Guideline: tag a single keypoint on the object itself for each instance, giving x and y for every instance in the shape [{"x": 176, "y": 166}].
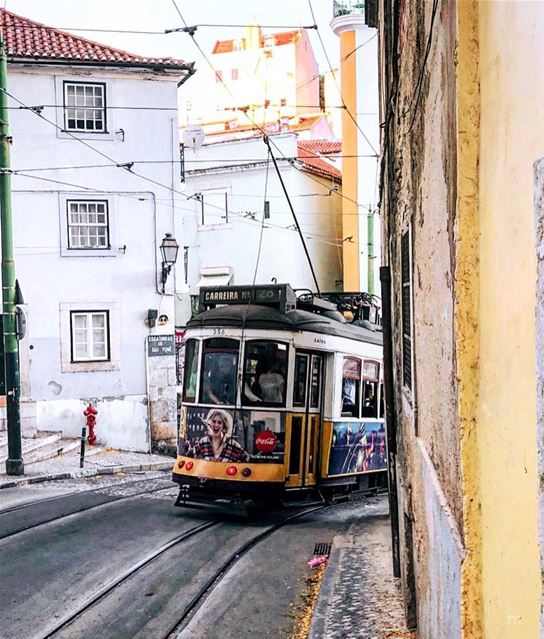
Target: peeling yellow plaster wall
[
  {"x": 467, "y": 306},
  {"x": 511, "y": 61}
]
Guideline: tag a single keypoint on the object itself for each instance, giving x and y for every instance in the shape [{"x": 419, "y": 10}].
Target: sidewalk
[
  {"x": 359, "y": 597},
  {"x": 105, "y": 462}
]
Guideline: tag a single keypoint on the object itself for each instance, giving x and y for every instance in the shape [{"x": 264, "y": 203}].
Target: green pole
[
  {"x": 370, "y": 233},
  {"x": 14, "y": 462}
]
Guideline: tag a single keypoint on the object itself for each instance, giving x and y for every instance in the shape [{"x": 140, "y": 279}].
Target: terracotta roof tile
[
  {"x": 309, "y": 156},
  {"x": 28, "y": 39}
]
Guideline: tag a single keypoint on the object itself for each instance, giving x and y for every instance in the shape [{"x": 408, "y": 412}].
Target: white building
[
  {"x": 238, "y": 225},
  {"x": 86, "y": 240}
]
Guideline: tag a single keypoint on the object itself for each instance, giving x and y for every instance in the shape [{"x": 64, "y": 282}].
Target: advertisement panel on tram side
[
  {"x": 221, "y": 434},
  {"x": 357, "y": 447}
]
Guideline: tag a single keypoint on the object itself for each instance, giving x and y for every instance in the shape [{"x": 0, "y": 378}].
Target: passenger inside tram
[
  {"x": 220, "y": 382},
  {"x": 272, "y": 384}
]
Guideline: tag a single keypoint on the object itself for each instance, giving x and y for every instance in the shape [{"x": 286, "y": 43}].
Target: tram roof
[{"x": 263, "y": 317}]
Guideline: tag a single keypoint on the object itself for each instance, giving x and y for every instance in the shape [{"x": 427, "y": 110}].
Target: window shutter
[{"x": 406, "y": 309}]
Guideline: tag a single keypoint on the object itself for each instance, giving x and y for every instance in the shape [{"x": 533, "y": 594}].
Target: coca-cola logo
[{"x": 265, "y": 441}]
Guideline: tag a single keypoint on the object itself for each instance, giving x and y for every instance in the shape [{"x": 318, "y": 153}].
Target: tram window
[
  {"x": 370, "y": 389},
  {"x": 190, "y": 369},
  {"x": 299, "y": 385},
  {"x": 265, "y": 372},
  {"x": 315, "y": 382},
  {"x": 369, "y": 408},
  {"x": 351, "y": 387},
  {"x": 219, "y": 370}
]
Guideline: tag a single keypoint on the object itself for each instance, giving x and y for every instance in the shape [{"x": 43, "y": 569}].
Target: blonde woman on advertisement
[{"x": 218, "y": 443}]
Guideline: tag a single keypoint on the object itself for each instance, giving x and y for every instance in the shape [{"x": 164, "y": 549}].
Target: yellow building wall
[
  {"x": 350, "y": 211},
  {"x": 511, "y": 61}
]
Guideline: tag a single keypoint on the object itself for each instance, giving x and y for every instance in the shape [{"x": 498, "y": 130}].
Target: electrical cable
[
  {"x": 263, "y": 218},
  {"x": 350, "y": 114},
  {"x": 416, "y": 95},
  {"x": 255, "y": 125},
  {"x": 267, "y": 142},
  {"x": 242, "y": 217}
]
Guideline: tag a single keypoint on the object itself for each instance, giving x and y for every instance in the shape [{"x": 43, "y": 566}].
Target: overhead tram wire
[
  {"x": 263, "y": 218},
  {"x": 350, "y": 114},
  {"x": 114, "y": 164},
  {"x": 127, "y": 166},
  {"x": 348, "y": 55},
  {"x": 38, "y": 27},
  {"x": 267, "y": 142},
  {"x": 252, "y": 121},
  {"x": 242, "y": 219}
]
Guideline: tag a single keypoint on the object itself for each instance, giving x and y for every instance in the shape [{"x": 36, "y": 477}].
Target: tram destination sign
[
  {"x": 160, "y": 345},
  {"x": 280, "y": 296}
]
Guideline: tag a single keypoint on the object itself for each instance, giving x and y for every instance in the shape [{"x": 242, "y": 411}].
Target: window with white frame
[
  {"x": 85, "y": 107},
  {"x": 88, "y": 224},
  {"x": 90, "y": 336}
]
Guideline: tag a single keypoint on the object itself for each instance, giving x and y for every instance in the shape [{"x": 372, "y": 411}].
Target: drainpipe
[{"x": 390, "y": 417}]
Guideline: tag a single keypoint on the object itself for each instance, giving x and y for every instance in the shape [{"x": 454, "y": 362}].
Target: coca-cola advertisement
[
  {"x": 357, "y": 447},
  {"x": 221, "y": 434}
]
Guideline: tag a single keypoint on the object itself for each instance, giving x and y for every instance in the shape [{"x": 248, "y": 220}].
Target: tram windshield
[
  {"x": 219, "y": 370},
  {"x": 265, "y": 372}
]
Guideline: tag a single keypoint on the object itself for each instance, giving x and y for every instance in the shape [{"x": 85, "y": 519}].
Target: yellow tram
[{"x": 282, "y": 396}]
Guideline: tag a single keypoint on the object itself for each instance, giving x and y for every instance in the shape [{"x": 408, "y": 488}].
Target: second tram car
[{"x": 281, "y": 396}]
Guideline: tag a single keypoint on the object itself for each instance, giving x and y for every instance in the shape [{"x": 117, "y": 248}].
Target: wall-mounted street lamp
[{"x": 169, "y": 252}]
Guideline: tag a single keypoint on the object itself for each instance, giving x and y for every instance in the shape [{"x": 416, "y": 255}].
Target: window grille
[
  {"x": 90, "y": 336},
  {"x": 88, "y": 224},
  {"x": 85, "y": 107},
  {"x": 406, "y": 268}
]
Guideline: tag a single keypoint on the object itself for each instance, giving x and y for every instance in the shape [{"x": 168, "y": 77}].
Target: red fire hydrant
[{"x": 90, "y": 416}]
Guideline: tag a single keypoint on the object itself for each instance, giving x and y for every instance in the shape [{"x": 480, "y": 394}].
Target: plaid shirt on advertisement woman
[{"x": 232, "y": 451}]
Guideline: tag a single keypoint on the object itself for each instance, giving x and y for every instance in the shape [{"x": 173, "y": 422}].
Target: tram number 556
[{"x": 219, "y": 331}]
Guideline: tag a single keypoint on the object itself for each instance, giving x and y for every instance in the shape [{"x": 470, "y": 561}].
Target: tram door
[{"x": 303, "y": 426}]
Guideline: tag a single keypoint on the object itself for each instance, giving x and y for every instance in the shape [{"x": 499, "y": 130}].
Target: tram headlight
[
  {"x": 246, "y": 472},
  {"x": 189, "y": 465},
  {"x": 232, "y": 470},
  {"x": 181, "y": 463}
]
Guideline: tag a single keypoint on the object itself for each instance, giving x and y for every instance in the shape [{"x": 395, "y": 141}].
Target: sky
[{"x": 159, "y": 15}]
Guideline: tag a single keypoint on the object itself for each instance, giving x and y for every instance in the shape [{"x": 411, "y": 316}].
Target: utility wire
[
  {"x": 262, "y": 220},
  {"x": 242, "y": 217},
  {"x": 267, "y": 142},
  {"x": 416, "y": 95},
  {"x": 350, "y": 114},
  {"x": 257, "y": 126},
  {"x": 192, "y": 28}
]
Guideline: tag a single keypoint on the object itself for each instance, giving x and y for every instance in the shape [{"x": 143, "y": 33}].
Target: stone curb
[
  {"x": 86, "y": 472},
  {"x": 319, "y": 617}
]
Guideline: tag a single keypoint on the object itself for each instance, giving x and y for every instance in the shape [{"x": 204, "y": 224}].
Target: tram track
[
  {"x": 171, "y": 630},
  {"x": 201, "y": 596},
  {"x": 37, "y": 502},
  {"x": 88, "y": 507},
  {"x": 108, "y": 588}
]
